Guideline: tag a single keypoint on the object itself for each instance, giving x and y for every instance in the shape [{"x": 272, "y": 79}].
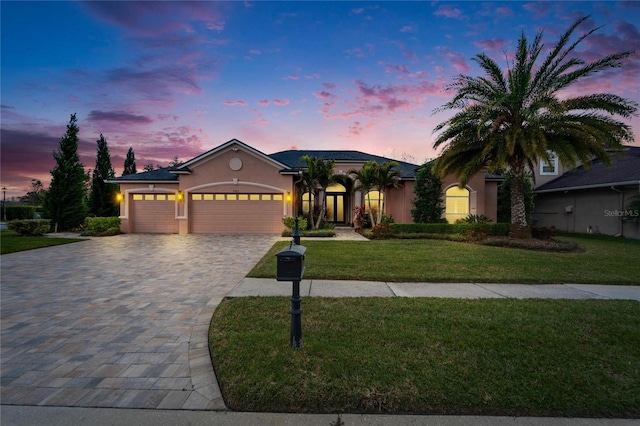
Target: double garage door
[
  {"x": 236, "y": 213},
  {"x": 210, "y": 213}
]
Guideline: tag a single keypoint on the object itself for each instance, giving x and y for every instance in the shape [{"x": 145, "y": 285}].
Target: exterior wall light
[
  {"x": 288, "y": 197},
  {"x": 119, "y": 197},
  {"x": 180, "y": 196}
]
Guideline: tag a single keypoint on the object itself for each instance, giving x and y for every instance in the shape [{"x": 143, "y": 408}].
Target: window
[
  {"x": 373, "y": 199},
  {"x": 305, "y": 202},
  {"x": 137, "y": 197},
  {"x": 456, "y": 204},
  {"x": 161, "y": 197},
  {"x": 196, "y": 197},
  {"x": 550, "y": 169},
  {"x": 243, "y": 197},
  {"x": 277, "y": 197}
]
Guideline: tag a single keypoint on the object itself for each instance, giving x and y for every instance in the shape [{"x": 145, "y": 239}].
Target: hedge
[
  {"x": 20, "y": 212},
  {"x": 30, "y": 227},
  {"x": 101, "y": 226},
  {"x": 497, "y": 229}
]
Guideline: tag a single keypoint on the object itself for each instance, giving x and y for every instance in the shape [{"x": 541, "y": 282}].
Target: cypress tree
[
  {"x": 130, "y": 163},
  {"x": 65, "y": 201},
  {"x": 102, "y": 200},
  {"x": 428, "y": 202}
]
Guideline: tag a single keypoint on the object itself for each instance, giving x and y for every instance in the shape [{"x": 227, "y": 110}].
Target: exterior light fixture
[
  {"x": 119, "y": 197},
  {"x": 180, "y": 196},
  {"x": 288, "y": 197}
]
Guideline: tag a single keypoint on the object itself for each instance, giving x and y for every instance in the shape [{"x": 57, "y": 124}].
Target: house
[
  {"x": 234, "y": 188},
  {"x": 593, "y": 199}
]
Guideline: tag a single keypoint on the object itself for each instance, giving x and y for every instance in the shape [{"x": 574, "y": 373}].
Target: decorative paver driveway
[{"x": 119, "y": 321}]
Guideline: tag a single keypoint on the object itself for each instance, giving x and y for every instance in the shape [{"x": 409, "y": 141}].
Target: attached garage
[
  {"x": 233, "y": 213},
  {"x": 153, "y": 213}
]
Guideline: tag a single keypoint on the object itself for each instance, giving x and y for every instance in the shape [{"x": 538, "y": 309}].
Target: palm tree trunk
[{"x": 519, "y": 227}]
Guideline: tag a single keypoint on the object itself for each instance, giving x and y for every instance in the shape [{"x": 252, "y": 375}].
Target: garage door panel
[
  {"x": 153, "y": 215},
  {"x": 260, "y": 214}
]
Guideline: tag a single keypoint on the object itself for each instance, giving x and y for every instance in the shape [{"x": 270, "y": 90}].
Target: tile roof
[
  {"x": 625, "y": 169},
  {"x": 293, "y": 159}
]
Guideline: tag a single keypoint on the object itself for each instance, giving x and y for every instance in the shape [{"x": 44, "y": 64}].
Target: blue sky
[{"x": 179, "y": 78}]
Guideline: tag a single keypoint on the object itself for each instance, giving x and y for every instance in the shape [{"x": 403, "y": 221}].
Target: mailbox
[{"x": 291, "y": 263}]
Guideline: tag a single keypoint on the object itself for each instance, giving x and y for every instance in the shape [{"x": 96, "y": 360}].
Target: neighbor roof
[
  {"x": 293, "y": 158},
  {"x": 156, "y": 176},
  {"x": 625, "y": 170}
]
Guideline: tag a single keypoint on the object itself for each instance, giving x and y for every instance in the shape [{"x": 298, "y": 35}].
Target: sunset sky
[{"x": 179, "y": 78}]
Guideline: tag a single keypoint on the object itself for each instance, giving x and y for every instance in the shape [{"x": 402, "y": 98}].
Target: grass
[
  {"x": 604, "y": 260},
  {"x": 532, "y": 357},
  {"x": 11, "y": 242}
]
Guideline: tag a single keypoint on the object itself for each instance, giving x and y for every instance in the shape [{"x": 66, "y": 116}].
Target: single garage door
[
  {"x": 154, "y": 213},
  {"x": 236, "y": 213}
]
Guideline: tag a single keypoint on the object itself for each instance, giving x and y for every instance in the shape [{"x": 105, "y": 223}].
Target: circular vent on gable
[{"x": 235, "y": 164}]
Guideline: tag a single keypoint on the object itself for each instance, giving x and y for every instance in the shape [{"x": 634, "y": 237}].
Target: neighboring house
[
  {"x": 235, "y": 188},
  {"x": 591, "y": 199}
]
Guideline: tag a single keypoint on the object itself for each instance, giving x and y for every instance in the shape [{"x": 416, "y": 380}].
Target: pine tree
[
  {"x": 130, "y": 163},
  {"x": 64, "y": 202},
  {"x": 102, "y": 200},
  {"x": 428, "y": 202}
]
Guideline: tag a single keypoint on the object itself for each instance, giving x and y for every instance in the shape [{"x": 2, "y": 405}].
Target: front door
[{"x": 335, "y": 208}]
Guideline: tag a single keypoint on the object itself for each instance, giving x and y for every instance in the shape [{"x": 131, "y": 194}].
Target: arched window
[
  {"x": 373, "y": 200},
  {"x": 336, "y": 187},
  {"x": 456, "y": 204},
  {"x": 305, "y": 202}
]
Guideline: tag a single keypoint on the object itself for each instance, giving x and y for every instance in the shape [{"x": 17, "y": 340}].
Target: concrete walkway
[
  {"x": 334, "y": 288},
  {"x": 93, "y": 327}
]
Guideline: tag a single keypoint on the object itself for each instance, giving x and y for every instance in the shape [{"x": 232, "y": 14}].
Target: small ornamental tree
[
  {"x": 130, "y": 163},
  {"x": 64, "y": 202},
  {"x": 428, "y": 204},
  {"x": 102, "y": 199}
]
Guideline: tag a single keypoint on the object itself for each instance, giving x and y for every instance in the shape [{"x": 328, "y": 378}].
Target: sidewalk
[
  {"x": 335, "y": 288},
  {"x": 65, "y": 416}
]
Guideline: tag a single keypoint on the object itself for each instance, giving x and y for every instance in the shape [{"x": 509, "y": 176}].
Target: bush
[
  {"x": 290, "y": 222},
  {"x": 101, "y": 226},
  {"x": 381, "y": 231},
  {"x": 30, "y": 227},
  {"x": 20, "y": 212},
  {"x": 543, "y": 232},
  {"x": 475, "y": 219},
  {"x": 498, "y": 229},
  {"x": 312, "y": 233}
]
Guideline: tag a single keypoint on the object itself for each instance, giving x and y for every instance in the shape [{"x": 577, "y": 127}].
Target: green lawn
[
  {"x": 605, "y": 260},
  {"x": 433, "y": 356},
  {"x": 11, "y": 242}
]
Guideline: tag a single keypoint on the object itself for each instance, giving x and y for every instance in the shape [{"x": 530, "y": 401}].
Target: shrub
[
  {"x": 312, "y": 233},
  {"x": 387, "y": 219},
  {"x": 20, "y": 212},
  {"x": 290, "y": 222},
  {"x": 101, "y": 226},
  {"x": 497, "y": 229},
  {"x": 30, "y": 227},
  {"x": 381, "y": 231},
  {"x": 543, "y": 232},
  {"x": 475, "y": 219}
]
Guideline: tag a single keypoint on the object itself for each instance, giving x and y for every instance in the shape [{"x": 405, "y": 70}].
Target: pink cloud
[
  {"x": 448, "y": 11},
  {"x": 408, "y": 29},
  {"x": 323, "y": 95},
  {"x": 236, "y": 103},
  {"x": 293, "y": 77},
  {"x": 264, "y": 102},
  {"x": 538, "y": 8},
  {"x": 281, "y": 102},
  {"x": 456, "y": 59},
  {"x": 491, "y": 44}
]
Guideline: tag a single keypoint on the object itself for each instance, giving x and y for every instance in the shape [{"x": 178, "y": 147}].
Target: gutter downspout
[{"x": 620, "y": 218}]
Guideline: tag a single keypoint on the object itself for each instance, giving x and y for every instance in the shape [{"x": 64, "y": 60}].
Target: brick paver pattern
[{"x": 119, "y": 321}]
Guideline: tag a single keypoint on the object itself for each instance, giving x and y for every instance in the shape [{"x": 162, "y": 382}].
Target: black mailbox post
[{"x": 290, "y": 267}]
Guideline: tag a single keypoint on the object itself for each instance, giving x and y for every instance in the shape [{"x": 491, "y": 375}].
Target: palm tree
[
  {"x": 513, "y": 120},
  {"x": 365, "y": 181},
  {"x": 379, "y": 176},
  {"x": 317, "y": 178},
  {"x": 387, "y": 175}
]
